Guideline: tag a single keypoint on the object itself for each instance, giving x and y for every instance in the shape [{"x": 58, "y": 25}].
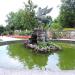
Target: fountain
[{"x": 39, "y": 40}]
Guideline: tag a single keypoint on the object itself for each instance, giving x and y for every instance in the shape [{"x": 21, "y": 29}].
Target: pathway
[
  {"x": 63, "y": 40},
  {"x": 35, "y": 72},
  {"x": 9, "y": 40}
]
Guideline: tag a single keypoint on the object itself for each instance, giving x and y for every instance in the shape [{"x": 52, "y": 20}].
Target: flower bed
[{"x": 22, "y": 37}]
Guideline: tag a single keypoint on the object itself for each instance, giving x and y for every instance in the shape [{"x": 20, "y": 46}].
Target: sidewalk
[
  {"x": 35, "y": 72},
  {"x": 6, "y": 38}
]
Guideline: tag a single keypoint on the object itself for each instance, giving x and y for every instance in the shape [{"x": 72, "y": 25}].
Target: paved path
[
  {"x": 6, "y": 38},
  {"x": 35, "y": 72},
  {"x": 9, "y": 40},
  {"x": 64, "y": 40}
]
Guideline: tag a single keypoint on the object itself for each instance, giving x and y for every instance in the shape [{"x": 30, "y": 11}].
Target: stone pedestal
[{"x": 40, "y": 33}]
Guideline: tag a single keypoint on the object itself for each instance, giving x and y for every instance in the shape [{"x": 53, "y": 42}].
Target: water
[
  {"x": 52, "y": 62},
  {"x": 16, "y": 56},
  {"x": 17, "y": 59},
  {"x": 6, "y": 61}
]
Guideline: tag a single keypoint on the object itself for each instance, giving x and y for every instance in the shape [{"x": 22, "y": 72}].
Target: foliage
[
  {"x": 11, "y": 32},
  {"x": 11, "y": 21},
  {"x": 67, "y": 13},
  {"x": 42, "y": 44},
  {"x": 25, "y": 33},
  {"x": 22, "y": 19},
  {"x": 56, "y": 28},
  {"x": 66, "y": 29},
  {"x": 2, "y": 29},
  {"x": 5, "y": 33},
  {"x": 46, "y": 44},
  {"x": 30, "y": 6},
  {"x": 56, "y": 25}
]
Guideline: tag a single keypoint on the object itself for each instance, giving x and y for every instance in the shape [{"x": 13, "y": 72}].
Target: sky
[{"x": 6, "y": 6}]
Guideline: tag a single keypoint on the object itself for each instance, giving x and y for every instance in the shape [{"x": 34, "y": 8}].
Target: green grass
[
  {"x": 65, "y": 29},
  {"x": 67, "y": 56}
]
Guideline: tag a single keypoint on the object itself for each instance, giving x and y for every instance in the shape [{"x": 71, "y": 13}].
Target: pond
[{"x": 16, "y": 56}]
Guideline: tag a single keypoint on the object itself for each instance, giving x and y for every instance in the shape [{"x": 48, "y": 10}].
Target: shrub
[
  {"x": 56, "y": 26},
  {"x": 11, "y": 32},
  {"x": 25, "y": 33},
  {"x": 5, "y": 33}
]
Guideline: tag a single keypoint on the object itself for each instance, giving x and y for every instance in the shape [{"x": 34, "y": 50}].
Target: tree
[
  {"x": 23, "y": 19},
  {"x": 11, "y": 18},
  {"x": 30, "y": 6},
  {"x": 30, "y": 20},
  {"x": 56, "y": 25},
  {"x": 67, "y": 13},
  {"x": 2, "y": 29}
]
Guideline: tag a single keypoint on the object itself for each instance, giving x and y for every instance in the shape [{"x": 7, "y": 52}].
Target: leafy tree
[
  {"x": 2, "y": 29},
  {"x": 30, "y": 20},
  {"x": 56, "y": 25},
  {"x": 67, "y": 13},
  {"x": 30, "y": 6},
  {"x": 11, "y": 18},
  {"x": 23, "y": 19}
]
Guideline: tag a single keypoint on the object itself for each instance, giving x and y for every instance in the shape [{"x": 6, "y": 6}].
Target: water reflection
[
  {"x": 27, "y": 57},
  {"x": 16, "y": 56},
  {"x": 31, "y": 60},
  {"x": 6, "y": 61},
  {"x": 52, "y": 62}
]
